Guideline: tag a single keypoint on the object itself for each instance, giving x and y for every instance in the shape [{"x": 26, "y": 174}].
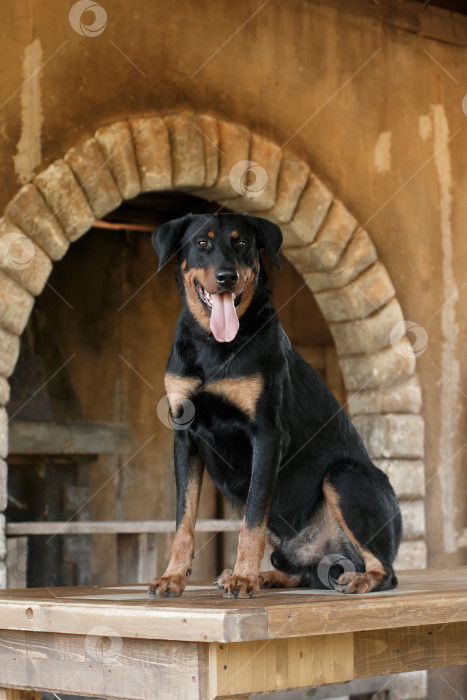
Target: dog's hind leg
[
  {"x": 277, "y": 579},
  {"x": 365, "y": 507}
]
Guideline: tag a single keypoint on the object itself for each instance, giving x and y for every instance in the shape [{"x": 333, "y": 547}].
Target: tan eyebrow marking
[
  {"x": 211, "y": 234},
  {"x": 234, "y": 234}
]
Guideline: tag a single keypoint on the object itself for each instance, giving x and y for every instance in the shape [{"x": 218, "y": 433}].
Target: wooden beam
[
  {"x": 286, "y": 664},
  {"x": 67, "y": 437},
  {"x": 271, "y": 665},
  {"x": 15, "y": 694},
  {"x": 104, "y": 527},
  {"x": 105, "y": 663},
  {"x": 102, "y": 664}
]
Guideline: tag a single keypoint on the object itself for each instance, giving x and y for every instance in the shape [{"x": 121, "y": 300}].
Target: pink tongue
[{"x": 224, "y": 320}]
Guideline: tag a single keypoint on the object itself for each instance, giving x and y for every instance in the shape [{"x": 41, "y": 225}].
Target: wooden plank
[
  {"x": 67, "y": 437},
  {"x": 410, "y": 649},
  {"x": 202, "y": 614},
  {"x": 101, "y": 663},
  {"x": 115, "y": 527},
  {"x": 253, "y": 667}
]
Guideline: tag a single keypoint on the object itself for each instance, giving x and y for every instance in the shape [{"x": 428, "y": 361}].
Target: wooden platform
[{"x": 117, "y": 642}]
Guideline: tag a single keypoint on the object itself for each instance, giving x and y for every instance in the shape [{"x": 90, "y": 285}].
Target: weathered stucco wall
[{"x": 378, "y": 114}]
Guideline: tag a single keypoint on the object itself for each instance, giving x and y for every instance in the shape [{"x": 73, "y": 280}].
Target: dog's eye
[
  {"x": 241, "y": 244},
  {"x": 203, "y": 244}
]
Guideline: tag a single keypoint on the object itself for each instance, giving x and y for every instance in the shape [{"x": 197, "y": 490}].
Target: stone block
[
  {"x": 332, "y": 238},
  {"x": 187, "y": 149},
  {"x": 413, "y": 519},
  {"x": 209, "y": 128},
  {"x": 4, "y": 390},
  {"x": 9, "y": 352},
  {"x": 405, "y": 397},
  {"x": 234, "y": 147},
  {"x": 369, "y": 334},
  {"x": 3, "y": 433},
  {"x": 409, "y": 686},
  {"x": 22, "y": 259},
  {"x": 31, "y": 214},
  {"x": 15, "y": 305},
  {"x": 116, "y": 141},
  {"x": 392, "y": 435},
  {"x": 309, "y": 215},
  {"x": 3, "y": 578},
  {"x": 292, "y": 180},
  {"x": 257, "y": 177},
  {"x": 3, "y": 484},
  {"x": 412, "y": 555},
  {"x": 2, "y": 536},
  {"x": 361, "y": 297},
  {"x": 87, "y": 162},
  {"x": 66, "y": 199},
  {"x": 383, "y": 368},
  {"x": 152, "y": 151},
  {"x": 407, "y": 476},
  {"x": 357, "y": 256}
]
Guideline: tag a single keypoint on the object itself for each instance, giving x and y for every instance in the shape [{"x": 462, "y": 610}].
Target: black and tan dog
[{"x": 272, "y": 437}]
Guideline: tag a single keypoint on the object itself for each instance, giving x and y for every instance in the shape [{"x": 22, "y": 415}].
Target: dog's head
[{"x": 219, "y": 264}]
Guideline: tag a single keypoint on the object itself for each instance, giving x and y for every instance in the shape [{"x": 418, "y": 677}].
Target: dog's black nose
[{"x": 227, "y": 277}]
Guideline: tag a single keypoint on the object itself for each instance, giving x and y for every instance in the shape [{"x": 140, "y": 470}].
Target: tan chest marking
[
  {"x": 179, "y": 388},
  {"x": 243, "y": 393}
]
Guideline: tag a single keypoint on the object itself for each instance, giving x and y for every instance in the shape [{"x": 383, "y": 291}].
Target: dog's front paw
[
  {"x": 238, "y": 586},
  {"x": 352, "y": 582},
  {"x": 170, "y": 585},
  {"x": 223, "y": 578}
]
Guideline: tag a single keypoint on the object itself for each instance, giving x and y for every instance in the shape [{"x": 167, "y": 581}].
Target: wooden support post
[
  {"x": 136, "y": 558},
  {"x": 16, "y": 561}
]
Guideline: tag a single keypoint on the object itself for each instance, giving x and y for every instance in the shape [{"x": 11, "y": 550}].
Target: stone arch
[{"x": 337, "y": 259}]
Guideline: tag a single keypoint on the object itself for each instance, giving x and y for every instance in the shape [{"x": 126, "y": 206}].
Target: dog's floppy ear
[
  {"x": 268, "y": 236},
  {"x": 166, "y": 238}
]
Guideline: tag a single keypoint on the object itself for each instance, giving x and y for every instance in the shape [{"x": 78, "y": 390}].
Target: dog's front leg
[
  {"x": 188, "y": 476},
  {"x": 244, "y": 581}
]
